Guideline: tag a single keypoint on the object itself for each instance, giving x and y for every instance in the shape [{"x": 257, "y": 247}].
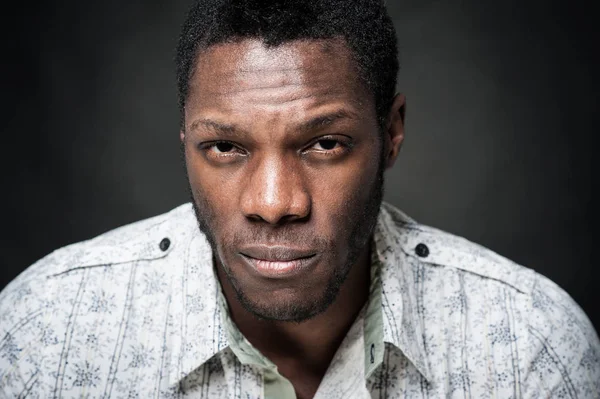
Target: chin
[{"x": 285, "y": 304}]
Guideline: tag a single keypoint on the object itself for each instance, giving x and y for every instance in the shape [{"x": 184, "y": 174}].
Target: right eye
[
  {"x": 222, "y": 147},
  {"x": 221, "y": 150}
]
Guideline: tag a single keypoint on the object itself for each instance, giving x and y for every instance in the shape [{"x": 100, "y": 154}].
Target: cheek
[
  {"x": 198, "y": 186},
  {"x": 353, "y": 179},
  {"x": 340, "y": 193},
  {"x": 209, "y": 187},
  {"x": 206, "y": 198}
]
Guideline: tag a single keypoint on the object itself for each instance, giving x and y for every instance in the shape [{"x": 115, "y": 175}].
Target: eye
[
  {"x": 222, "y": 147},
  {"x": 326, "y": 144},
  {"x": 330, "y": 146},
  {"x": 221, "y": 150}
]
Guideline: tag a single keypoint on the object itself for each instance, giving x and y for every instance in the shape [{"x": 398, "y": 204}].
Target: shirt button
[
  {"x": 165, "y": 243},
  {"x": 422, "y": 250},
  {"x": 372, "y": 353}
]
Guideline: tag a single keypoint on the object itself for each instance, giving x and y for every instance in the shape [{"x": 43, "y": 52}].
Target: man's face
[{"x": 283, "y": 155}]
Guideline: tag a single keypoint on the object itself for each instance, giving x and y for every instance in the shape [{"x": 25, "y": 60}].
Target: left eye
[{"x": 326, "y": 144}]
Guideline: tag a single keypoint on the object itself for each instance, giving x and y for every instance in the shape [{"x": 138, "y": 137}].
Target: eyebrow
[
  {"x": 218, "y": 127},
  {"x": 326, "y": 120},
  {"x": 312, "y": 124}
]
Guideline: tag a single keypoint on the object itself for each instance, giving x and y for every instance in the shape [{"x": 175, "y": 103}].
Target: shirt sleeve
[{"x": 563, "y": 350}]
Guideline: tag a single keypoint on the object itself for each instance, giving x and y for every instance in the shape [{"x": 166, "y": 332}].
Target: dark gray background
[{"x": 502, "y": 99}]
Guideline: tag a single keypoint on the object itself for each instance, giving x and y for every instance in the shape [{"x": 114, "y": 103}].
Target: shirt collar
[
  {"x": 402, "y": 324},
  {"x": 194, "y": 331},
  {"x": 197, "y": 330}
]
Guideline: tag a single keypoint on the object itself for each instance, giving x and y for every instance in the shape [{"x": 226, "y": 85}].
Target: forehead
[{"x": 251, "y": 72}]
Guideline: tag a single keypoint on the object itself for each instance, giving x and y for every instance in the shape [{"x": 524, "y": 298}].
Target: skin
[{"x": 301, "y": 167}]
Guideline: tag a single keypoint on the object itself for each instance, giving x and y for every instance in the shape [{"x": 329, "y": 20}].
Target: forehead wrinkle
[
  {"x": 260, "y": 88},
  {"x": 285, "y": 90},
  {"x": 253, "y": 80},
  {"x": 253, "y": 65},
  {"x": 244, "y": 76},
  {"x": 270, "y": 70}
]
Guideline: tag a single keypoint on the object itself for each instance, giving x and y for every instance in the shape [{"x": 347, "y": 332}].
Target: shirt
[{"x": 138, "y": 313}]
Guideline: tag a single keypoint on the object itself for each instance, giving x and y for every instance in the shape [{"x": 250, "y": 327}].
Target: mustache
[
  {"x": 281, "y": 236},
  {"x": 286, "y": 235}
]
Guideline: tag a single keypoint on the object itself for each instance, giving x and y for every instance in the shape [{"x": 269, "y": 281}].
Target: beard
[{"x": 361, "y": 216}]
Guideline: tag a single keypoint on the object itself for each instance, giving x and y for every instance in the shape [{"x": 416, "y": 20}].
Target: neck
[{"x": 310, "y": 344}]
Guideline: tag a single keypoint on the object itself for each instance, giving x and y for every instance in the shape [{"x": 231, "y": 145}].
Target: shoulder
[
  {"x": 559, "y": 349},
  {"x": 148, "y": 239},
  {"x": 563, "y": 345},
  {"x": 448, "y": 253},
  {"x": 34, "y": 305},
  {"x": 131, "y": 242},
  {"x": 451, "y": 253}
]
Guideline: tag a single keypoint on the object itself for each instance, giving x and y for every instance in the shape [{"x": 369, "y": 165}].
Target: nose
[{"x": 275, "y": 192}]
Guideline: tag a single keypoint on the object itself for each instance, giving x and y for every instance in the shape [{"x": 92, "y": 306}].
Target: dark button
[
  {"x": 165, "y": 243},
  {"x": 422, "y": 250},
  {"x": 372, "y": 354}
]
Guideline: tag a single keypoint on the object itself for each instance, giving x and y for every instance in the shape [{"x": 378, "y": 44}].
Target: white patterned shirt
[{"x": 138, "y": 313}]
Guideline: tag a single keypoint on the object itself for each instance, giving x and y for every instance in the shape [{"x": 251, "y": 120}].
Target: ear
[
  {"x": 394, "y": 134},
  {"x": 182, "y": 136}
]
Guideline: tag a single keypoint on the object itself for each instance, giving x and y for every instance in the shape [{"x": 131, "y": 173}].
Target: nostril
[{"x": 275, "y": 194}]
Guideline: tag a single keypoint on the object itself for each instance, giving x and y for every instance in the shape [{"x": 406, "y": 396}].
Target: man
[{"x": 299, "y": 281}]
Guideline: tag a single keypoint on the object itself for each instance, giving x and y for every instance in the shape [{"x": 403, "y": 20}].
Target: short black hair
[{"x": 364, "y": 25}]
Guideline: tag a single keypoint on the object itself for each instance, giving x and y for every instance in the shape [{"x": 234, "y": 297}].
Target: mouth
[{"x": 278, "y": 261}]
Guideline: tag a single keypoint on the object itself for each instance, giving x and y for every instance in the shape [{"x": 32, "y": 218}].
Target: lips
[
  {"x": 278, "y": 261},
  {"x": 279, "y": 253}
]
